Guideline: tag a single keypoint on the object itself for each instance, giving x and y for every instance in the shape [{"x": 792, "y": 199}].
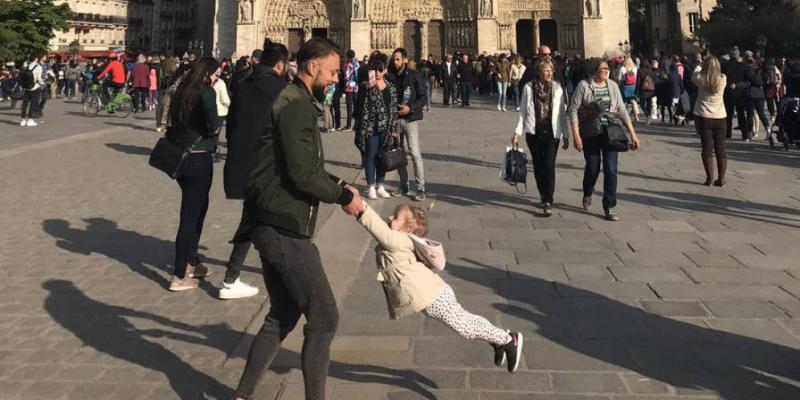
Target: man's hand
[
  {"x": 515, "y": 139},
  {"x": 565, "y": 145},
  {"x": 635, "y": 143},
  {"x": 404, "y": 110},
  {"x": 578, "y": 143},
  {"x": 356, "y": 205}
]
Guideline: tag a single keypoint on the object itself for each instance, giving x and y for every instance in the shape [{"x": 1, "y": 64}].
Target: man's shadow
[
  {"x": 142, "y": 254},
  {"x": 678, "y": 353},
  {"x": 106, "y": 329}
]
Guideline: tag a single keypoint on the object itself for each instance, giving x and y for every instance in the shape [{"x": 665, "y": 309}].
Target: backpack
[
  {"x": 790, "y": 120},
  {"x": 648, "y": 84},
  {"x": 515, "y": 168},
  {"x": 429, "y": 252},
  {"x": 26, "y": 78},
  {"x": 771, "y": 76},
  {"x": 630, "y": 78}
]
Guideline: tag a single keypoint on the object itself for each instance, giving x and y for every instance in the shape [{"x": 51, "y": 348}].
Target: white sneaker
[
  {"x": 381, "y": 192},
  {"x": 372, "y": 194},
  {"x": 32, "y": 123},
  {"x": 236, "y": 290},
  {"x": 517, "y": 108},
  {"x": 499, "y": 109},
  {"x": 504, "y": 109},
  {"x": 24, "y": 122}
]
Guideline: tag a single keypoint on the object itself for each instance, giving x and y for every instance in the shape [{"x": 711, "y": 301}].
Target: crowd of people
[{"x": 270, "y": 103}]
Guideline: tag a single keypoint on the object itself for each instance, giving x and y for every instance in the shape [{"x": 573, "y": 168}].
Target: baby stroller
[{"x": 787, "y": 124}]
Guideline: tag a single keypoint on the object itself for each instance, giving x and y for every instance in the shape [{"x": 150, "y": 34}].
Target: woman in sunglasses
[
  {"x": 376, "y": 120},
  {"x": 603, "y": 94}
]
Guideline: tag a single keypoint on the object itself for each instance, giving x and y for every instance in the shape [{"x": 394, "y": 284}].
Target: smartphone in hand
[{"x": 371, "y": 74}]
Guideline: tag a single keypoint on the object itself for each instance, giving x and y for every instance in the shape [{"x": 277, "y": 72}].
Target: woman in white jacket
[
  {"x": 543, "y": 119},
  {"x": 223, "y": 100}
]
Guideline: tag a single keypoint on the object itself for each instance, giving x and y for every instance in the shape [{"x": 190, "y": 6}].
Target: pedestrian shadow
[
  {"x": 688, "y": 356},
  {"x": 142, "y": 254},
  {"x": 130, "y": 125},
  {"x": 130, "y": 149},
  {"x": 106, "y": 329},
  {"x": 683, "y": 201}
]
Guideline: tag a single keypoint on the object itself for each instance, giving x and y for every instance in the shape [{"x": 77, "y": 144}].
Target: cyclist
[{"x": 117, "y": 82}]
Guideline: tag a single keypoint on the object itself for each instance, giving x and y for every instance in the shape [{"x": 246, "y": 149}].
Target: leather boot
[
  {"x": 722, "y": 166},
  {"x": 708, "y": 165}
]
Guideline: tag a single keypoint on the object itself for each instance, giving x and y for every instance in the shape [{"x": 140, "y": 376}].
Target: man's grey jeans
[{"x": 409, "y": 136}]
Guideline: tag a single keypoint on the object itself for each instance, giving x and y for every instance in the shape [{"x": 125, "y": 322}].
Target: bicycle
[{"x": 121, "y": 105}]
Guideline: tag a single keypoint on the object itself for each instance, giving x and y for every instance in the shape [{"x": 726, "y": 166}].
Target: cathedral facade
[{"x": 587, "y": 27}]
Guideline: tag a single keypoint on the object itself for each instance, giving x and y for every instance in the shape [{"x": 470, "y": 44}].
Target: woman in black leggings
[
  {"x": 194, "y": 125},
  {"x": 709, "y": 109}
]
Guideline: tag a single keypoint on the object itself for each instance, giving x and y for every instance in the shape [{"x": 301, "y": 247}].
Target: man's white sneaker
[
  {"x": 24, "y": 122},
  {"x": 372, "y": 194},
  {"x": 499, "y": 109},
  {"x": 381, "y": 192},
  {"x": 32, "y": 123},
  {"x": 236, "y": 290}
]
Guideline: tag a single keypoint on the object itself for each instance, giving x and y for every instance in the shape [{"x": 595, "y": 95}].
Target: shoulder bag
[
  {"x": 168, "y": 157},
  {"x": 614, "y": 136},
  {"x": 394, "y": 157}
]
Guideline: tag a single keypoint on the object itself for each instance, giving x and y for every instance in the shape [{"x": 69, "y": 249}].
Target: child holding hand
[{"x": 412, "y": 287}]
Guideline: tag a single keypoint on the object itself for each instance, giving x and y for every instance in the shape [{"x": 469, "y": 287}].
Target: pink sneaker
[{"x": 180, "y": 285}]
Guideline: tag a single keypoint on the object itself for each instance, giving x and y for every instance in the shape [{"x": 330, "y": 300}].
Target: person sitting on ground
[{"x": 410, "y": 286}]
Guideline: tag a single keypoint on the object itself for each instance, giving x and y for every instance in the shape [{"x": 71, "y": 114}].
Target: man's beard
[{"x": 319, "y": 91}]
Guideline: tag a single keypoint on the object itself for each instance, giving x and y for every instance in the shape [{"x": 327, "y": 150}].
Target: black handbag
[
  {"x": 615, "y": 135},
  {"x": 168, "y": 157},
  {"x": 394, "y": 157}
]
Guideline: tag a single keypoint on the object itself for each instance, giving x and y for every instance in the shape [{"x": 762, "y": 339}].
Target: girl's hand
[
  {"x": 635, "y": 143},
  {"x": 578, "y": 143},
  {"x": 515, "y": 139}
]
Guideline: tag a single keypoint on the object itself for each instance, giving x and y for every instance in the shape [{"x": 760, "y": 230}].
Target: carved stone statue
[
  {"x": 245, "y": 10},
  {"x": 486, "y": 8},
  {"x": 306, "y": 33},
  {"x": 359, "y": 9},
  {"x": 592, "y": 8}
]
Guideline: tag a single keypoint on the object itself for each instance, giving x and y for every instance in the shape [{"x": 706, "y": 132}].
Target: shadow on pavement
[
  {"x": 678, "y": 353},
  {"x": 768, "y": 213},
  {"x": 130, "y": 149},
  {"x": 140, "y": 253},
  {"x": 105, "y": 328},
  {"x": 130, "y": 125}
]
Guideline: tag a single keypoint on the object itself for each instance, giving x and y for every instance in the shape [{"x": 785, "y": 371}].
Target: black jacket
[
  {"x": 414, "y": 81},
  {"x": 737, "y": 73},
  {"x": 446, "y": 75},
  {"x": 202, "y": 121},
  {"x": 247, "y": 118},
  {"x": 287, "y": 179},
  {"x": 756, "y": 89},
  {"x": 466, "y": 72}
]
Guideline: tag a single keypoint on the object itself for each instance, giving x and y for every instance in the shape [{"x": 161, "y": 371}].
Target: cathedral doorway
[
  {"x": 295, "y": 40},
  {"x": 320, "y": 32},
  {"x": 548, "y": 33},
  {"x": 436, "y": 40},
  {"x": 411, "y": 39},
  {"x": 525, "y": 44}
]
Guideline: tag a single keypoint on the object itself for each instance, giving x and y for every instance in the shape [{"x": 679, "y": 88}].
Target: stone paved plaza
[{"x": 694, "y": 294}]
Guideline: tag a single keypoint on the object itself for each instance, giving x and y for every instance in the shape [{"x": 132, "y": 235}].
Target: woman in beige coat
[{"x": 412, "y": 287}]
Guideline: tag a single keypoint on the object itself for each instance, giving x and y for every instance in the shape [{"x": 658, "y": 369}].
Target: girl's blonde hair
[
  {"x": 629, "y": 64},
  {"x": 711, "y": 75},
  {"x": 420, "y": 216}
]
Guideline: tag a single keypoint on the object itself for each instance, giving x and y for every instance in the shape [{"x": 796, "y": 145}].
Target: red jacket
[
  {"x": 141, "y": 75},
  {"x": 117, "y": 72}
]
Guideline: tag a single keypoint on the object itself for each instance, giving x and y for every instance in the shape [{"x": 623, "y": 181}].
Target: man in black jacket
[
  {"x": 735, "y": 97},
  {"x": 411, "y": 92},
  {"x": 448, "y": 74},
  {"x": 466, "y": 76},
  {"x": 286, "y": 183},
  {"x": 246, "y": 120}
]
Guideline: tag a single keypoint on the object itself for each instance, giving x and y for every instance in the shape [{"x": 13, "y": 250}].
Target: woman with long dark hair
[
  {"x": 376, "y": 119},
  {"x": 194, "y": 124}
]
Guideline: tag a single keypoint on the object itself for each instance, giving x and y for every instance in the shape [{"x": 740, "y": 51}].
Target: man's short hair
[
  {"x": 274, "y": 53},
  {"x": 257, "y": 53},
  {"x": 351, "y": 54},
  {"x": 402, "y": 52},
  {"x": 313, "y": 49}
]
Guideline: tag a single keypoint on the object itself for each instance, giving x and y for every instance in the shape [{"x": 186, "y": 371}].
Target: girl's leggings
[{"x": 446, "y": 309}]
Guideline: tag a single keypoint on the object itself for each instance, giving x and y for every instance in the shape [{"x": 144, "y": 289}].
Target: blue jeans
[
  {"x": 372, "y": 163},
  {"x": 428, "y": 93},
  {"x": 593, "y": 154},
  {"x": 466, "y": 88},
  {"x": 502, "y": 90}
]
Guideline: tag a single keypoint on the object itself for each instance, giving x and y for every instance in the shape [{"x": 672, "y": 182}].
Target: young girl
[
  {"x": 412, "y": 287},
  {"x": 326, "y": 105}
]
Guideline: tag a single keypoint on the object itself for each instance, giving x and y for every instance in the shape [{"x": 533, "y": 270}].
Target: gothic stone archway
[{"x": 293, "y": 21}]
